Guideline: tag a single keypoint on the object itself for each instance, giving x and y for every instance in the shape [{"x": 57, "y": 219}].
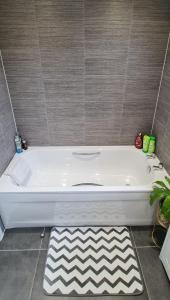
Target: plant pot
[
  {"x": 161, "y": 220},
  {"x": 158, "y": 235},
  {"x": 160, "y": 228}
]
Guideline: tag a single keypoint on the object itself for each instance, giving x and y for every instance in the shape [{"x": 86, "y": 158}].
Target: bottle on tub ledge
[
  {"x": 152, "y": 144},
  {"x": 146, "y": 141},
  {"x": 138, "y": 141},
  {"x": 149, "y": 144},
  {"x": 20, "y": 144},
  {"x": 24, "y": 144}
]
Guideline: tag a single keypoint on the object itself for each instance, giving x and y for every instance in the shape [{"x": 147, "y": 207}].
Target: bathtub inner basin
[{"x": 64, "y": 168}]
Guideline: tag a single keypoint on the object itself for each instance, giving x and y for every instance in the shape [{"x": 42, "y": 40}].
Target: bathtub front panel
[{"x": 76, "y": 209}]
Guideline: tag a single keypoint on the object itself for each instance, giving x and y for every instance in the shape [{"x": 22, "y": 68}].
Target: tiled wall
[
  {"x": 83, "y": 72},
  {"x": 7, "y": 127},
  {"x": 162, "y": 120}
]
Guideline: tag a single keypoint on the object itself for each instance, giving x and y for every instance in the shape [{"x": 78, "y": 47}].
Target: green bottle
[
  {"x": 146, "y": 140},
  {"x": 152, "y": 144}
]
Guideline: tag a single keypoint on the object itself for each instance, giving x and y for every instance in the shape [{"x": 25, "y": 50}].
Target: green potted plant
[{"x": 161, "y": 194}]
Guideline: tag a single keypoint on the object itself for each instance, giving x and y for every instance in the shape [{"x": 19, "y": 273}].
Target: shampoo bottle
[
  {"x": 18, "y": 144},
  {"x": 146, "y": 140},
  {"x": 138, "y": 141},
  {"x": 152, "y": 144}
]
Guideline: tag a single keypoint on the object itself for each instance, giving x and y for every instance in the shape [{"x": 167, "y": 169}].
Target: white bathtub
[{"x": 123, "y": 177}]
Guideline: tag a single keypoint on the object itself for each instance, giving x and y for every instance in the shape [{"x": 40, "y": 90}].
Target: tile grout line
[
  {"x": 35, "y": 270},
  {"x": 140, "y": 264},
  {"x": 31, "y": 288},
  {"x": 20, "y": 250},
  {"x": 143, "y": 247},
  {"x": 45, "y": 249}
]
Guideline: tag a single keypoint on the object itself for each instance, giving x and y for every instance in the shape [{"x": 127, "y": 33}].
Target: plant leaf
[
  {"x": 162, "y": 184},
  {"x": 165, "y": 209},
  {"x": 157, "y": 194},
  {"x": 167, "y": 179},
  {"x": 167, "y": 215}
]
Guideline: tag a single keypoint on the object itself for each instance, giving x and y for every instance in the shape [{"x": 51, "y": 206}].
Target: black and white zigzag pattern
[{"x": 91, "y": 260}]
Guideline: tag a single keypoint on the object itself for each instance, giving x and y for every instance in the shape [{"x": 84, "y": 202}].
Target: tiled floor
[{"x": 22, "y": 258}]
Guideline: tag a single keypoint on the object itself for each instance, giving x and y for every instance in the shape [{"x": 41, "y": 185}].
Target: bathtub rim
[{"x": 8, "y": 187}]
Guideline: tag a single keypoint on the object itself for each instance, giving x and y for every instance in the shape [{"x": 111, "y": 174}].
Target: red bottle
[{"x": 138, "y": 141}]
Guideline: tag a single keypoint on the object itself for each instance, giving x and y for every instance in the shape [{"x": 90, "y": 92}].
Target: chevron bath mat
[{"x": 91, "y": 261}]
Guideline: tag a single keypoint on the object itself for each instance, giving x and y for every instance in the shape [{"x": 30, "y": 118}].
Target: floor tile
[
  {"x": 142, "y": 235},
  {"x": 156, "y": 279},
  {"x": 45, "y": 240},
  {"x": 21, "y": 238},
  {"x": 37, "y": 293},
  {"x": 16, "y": 274},
  {"x": 136, "y": 297}
]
